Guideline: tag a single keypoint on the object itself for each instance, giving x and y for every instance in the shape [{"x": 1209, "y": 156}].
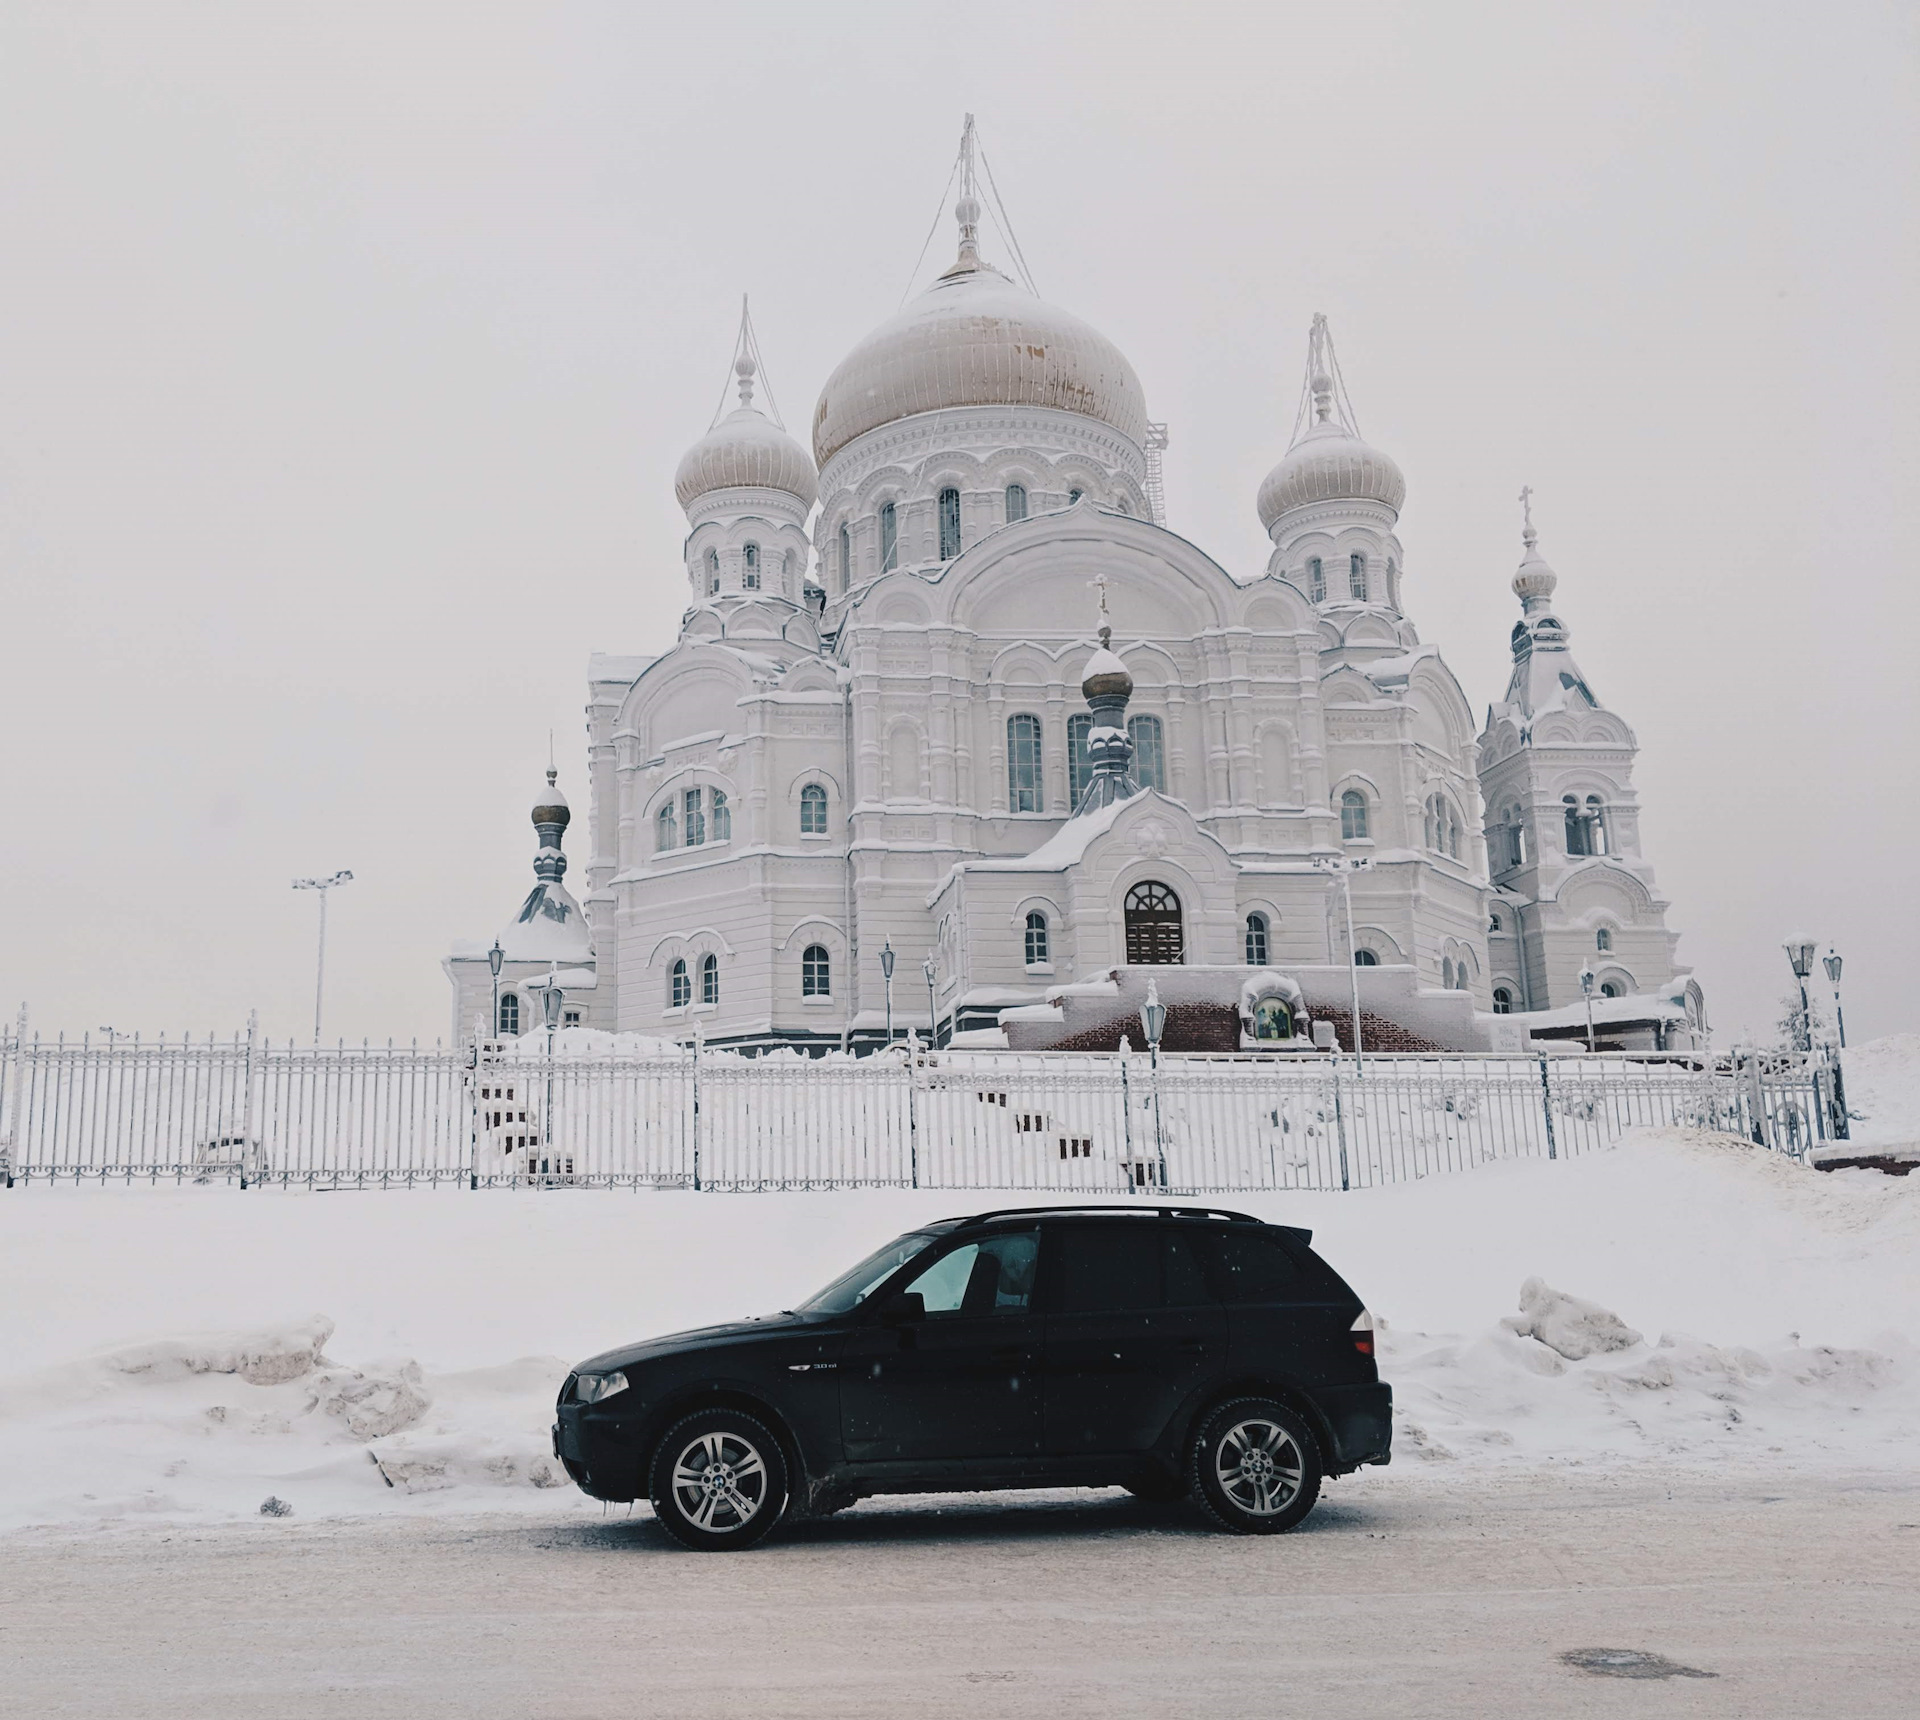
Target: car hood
[{"x": 699, "y": 1338}]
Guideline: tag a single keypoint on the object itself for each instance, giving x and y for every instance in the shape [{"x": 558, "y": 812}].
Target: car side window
[
  {"x": 1186, "y": 1269},
  {"x": 1249, "y": 1267},
  {"x": 1108, "y": 1268},
  {"x": 991, "y": 1276}
]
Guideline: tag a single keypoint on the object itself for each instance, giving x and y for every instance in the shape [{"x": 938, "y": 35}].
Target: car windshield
[{"x": 854, "y": 1286}]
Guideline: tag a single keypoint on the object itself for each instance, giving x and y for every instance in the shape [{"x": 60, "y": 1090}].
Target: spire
[
  {"x": 1108, "y": 686},
  {"x": 1324, "y": 387},
  {"x": 1534, "y": 583},
  {"x": 747, "y": 367}
]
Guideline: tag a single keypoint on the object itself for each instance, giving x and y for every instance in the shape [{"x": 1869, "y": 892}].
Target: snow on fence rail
[{"x": 518, "y": 1114}]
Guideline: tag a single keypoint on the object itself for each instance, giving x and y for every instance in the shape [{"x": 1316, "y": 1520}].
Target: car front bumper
[
  {"x": 597, "y": 1452},
  {"x": 1360, "y": 1419}
]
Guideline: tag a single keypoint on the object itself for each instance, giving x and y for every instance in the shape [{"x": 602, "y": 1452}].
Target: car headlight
[{"x": 591, "y": 1388}]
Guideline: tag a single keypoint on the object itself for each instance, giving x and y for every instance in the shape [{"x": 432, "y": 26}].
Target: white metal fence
[{"x": 513, "y": 1114}]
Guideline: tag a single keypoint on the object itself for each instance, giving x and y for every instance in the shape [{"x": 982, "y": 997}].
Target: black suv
[{"x": 1171, "y": 1351}]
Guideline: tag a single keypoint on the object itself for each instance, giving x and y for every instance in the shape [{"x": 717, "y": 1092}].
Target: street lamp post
[
  {"x": 1800, "y": 956},
  {"x": 495, "y": 957},
  {"x": 1586, "y": 991},
  {"x": 323, "y": 885},
  {"x": 551, "y": 1001},
  {"x": 933, "y": 1009},
  {"x": 886, "y": 973},
  {"x": 1153, "y": 1017},
  {"x": 1343, "y": 866},
  {"x": 1831, "y": 962}
]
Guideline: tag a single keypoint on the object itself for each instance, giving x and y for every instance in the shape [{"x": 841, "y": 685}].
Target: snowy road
[{"x": 1411, "y": 1593}]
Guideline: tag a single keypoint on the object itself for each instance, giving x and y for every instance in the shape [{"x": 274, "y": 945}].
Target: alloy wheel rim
[
  {"x": 720, "y": 1482},
  {"x": 1258, "y": 1467}
]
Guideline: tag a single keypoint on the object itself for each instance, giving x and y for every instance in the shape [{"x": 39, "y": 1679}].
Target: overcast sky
[{"x": 347, "y": 352}]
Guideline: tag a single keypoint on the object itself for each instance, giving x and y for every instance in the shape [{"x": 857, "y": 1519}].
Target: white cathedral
[{"x": 884, "y": 731}]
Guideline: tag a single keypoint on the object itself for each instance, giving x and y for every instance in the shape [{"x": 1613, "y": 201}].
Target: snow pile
[
  {"x": 1684, "y": 1298},
  {"x": 1883, "y": 1088},
  {"x": 1566, "y": 1325}
]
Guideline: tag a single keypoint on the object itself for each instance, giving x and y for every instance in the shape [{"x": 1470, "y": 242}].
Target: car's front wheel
[
  {"x": 719, "y": 1480},
  {"x": 1256, "y": 1467}
]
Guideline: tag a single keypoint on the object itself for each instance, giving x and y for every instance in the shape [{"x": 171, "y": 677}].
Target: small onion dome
[
  {"x": 552, "y": 806},
  {"x": 1534, "y": 580},
  {"x": 1106, "y": 677},
  {"x": 975, "y": 338},
  {"x": 746, "y": 450},
  {"x": 1329, "y": 464}
]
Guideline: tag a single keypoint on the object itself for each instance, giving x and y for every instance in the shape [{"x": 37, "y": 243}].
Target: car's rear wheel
[
  {"x": 1256, "y": 1467},
  {"x": 719, "y": 1480}
]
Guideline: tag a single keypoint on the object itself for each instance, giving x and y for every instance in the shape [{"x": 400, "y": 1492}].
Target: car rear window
[{"x": 1247, "y": 1266}]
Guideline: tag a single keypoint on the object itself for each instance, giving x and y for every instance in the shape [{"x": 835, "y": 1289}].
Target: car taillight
[{"x": 1362, "y": 1331}]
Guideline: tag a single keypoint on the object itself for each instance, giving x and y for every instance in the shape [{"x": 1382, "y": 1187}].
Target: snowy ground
[{"x": 1663, "y": 1398}]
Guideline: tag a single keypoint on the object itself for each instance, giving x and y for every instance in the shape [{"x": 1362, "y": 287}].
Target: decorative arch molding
[
  {"x": 1600, "y": 875},
  {"x": 808, "y": 931},
  {"x": 901, "y": 609},
  {"x": 806, "y": 677},
  {"x": 1381, "y": 941},
  {"x": 1614, "y": 972},
  {"x": 695, "y": 943},
  {"x": 687, "y": 776},
  {"x": 825, "y": 779},
  {"x": 1056, "y": 915},
  {"x": 1355, "y": 779}
]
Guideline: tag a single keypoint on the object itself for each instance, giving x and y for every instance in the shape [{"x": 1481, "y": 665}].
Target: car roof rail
[{"x": 1090, "y": 1206}]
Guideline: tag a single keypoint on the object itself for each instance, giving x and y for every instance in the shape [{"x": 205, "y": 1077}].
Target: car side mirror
[{"x": 904, "y": 1308}]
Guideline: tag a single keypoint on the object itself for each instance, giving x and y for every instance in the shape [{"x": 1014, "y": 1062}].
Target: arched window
[
  {"x": 949, "y": 524},
  {"x": 889, "y": 536},
  {"x": 696, "y": 819},
  {"x": 1576, "y": 826},
  {"x": 1446, "y": 973},
  {"x": 846, "y": 558},
  {"x": 1443, "y": 827},
  {"x": 722, "y": 817},
  {"x": 813, "y": 810},
  {"x": 1357, "y": 577},
  {"x": 679, "y": 989},
  {"x": 1036, "y": 938},
  {"x": 1610, "y": 988},
  {"x": 1365, "y": 958},
  {"x": 1154, "y": 938},
  {"x": 709, "y": 979},
  {"x": 1256, "y": 940},
  {"x": 1149, "y": 752},
  {"x": 786, "y": 572},
  {"x": 1016, "y": 502},
  {"x": 1316, "y": 579},
  {"x": 752, "y": 580},
  {"x": 1023, "y": 763},
  {"x": 664, "y": 836},
  {"x": 1516, "y": 837},
  {"x": 1353, "y": 816},
  {"x": 1074, "y": 496},
  {"x": 1603, "y": 939},
  {"x": 1079, "y": 759},
  {"x": 1393, "y": 581},
  {"x": 1502, "y": 1000},
  {"x": 816, "y": 972},
  {"x": 1596, "y": 825},
  {"x": 1493, "y": 922},
  {"x": 713, "y": 572},
  {"x": 509, "y": 1023}
]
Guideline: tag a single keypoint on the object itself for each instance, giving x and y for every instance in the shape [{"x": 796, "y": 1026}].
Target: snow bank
[{"x": 1684, "y": 1298}]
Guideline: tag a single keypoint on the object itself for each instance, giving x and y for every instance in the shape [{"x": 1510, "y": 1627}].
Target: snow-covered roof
[
  {"x": 1066, "y": 847},
  {"x": 1607, "y": 1012}
]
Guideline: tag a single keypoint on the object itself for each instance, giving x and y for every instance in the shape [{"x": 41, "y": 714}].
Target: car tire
[
  {"x": 1255, "y": 1466},
  {"x": 719, "y": 1480}
]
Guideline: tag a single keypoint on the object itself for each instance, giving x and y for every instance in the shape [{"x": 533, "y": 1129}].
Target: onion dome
[
  {"x": 976, "y": 338},
  {"x": 1329, "y": 464},
  {"x": 746, "y": 449},
  {"x": 1533, "y": 580},
  {"x": 552, "y": 808},
  {"x": 1106, "y": 677}
]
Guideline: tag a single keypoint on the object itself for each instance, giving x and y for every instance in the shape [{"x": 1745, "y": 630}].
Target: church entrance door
[{"x": 1153, "y": 926}]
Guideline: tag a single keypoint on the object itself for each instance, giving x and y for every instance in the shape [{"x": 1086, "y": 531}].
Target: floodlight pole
[
  {"x": 1586, "y": 988},
  {"x": 1344, "y": 866},
  {"x": 886, "y": 973},
  {"x": 323, "y": 885}
]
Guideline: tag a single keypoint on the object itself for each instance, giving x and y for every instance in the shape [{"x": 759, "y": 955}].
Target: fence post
[
  {"x": 11, "y": 1143},
  {"x": 913, "y": 1111},
  {"x": 1546, "y": 1108},
  {"x": 1340, "y": 1121},
  {"x": 1126, "y": 1106},
  {"x": 246, "y": 1101},
  {"x": 1757, "y": 1100},
  {"x": 473, "y": 1112},
  {"x": 697, "y": 1038}
]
